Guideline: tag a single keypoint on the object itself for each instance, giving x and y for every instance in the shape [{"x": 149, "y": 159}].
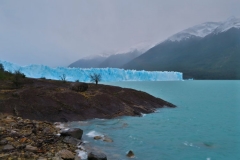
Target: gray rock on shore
[{"x": 73, "y": 132}]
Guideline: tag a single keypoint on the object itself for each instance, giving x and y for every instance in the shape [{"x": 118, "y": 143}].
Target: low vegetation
[
  {"x": 16, "y": 78},
  {"x": 79, "y": 87}
]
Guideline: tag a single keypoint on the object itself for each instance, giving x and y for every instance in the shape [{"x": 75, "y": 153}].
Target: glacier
[{"x": 82, "y": 74}]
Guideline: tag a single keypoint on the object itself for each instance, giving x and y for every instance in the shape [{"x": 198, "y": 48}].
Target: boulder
[
  {"x": 73, "y": 132},
  {"x": 130, "y": 154},
  {"x": 97, "y": 137},
  {"x": 72, "y": 140},
  {"x": 79, "y": 87},
  {"x": 8, "y": 147},
  {"x": 31, "y": 148},
  {"x": 97, "y": 156},
  {"x": 3, "y": 142}
]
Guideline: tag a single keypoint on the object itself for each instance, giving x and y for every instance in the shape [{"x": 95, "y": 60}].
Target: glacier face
[{"x": 82, "y": 74}]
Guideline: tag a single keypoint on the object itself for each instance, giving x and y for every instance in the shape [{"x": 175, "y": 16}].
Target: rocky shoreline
[{"x": 23, "y": 139}]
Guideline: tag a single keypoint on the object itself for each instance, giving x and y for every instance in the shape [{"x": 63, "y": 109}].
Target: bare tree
[
  {"x": 95, "y": 77},
  {"x": 63, "y": 78}
]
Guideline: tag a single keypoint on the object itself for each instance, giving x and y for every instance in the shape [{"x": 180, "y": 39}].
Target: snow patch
[{"x": 205, "y": 29}]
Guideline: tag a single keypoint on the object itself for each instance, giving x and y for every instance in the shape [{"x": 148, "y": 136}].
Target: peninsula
[{"x": 58, "y": 101}]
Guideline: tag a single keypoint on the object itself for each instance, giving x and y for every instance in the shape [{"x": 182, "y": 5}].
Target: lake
[{"x": 204, "y": 126}]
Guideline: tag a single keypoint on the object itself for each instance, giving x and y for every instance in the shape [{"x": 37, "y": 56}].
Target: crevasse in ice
[{"x": 82, "y": 74}]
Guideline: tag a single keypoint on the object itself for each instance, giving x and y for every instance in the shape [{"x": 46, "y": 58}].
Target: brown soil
[{"x": 54, "y": 101}]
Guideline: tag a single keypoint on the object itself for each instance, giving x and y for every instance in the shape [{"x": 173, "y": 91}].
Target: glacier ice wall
[{"x": 82, "y": 74}]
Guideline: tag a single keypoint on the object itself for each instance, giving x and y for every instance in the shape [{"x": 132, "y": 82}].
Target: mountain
[
  {"x": 118, "y": 60},
  {"x": 89, "y": 62},
  {"x": 207, "y": 51},
  {"x": 115, "y": 60}
]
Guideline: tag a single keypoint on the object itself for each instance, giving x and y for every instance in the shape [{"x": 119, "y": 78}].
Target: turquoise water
[{"x": 204, "y": 126}]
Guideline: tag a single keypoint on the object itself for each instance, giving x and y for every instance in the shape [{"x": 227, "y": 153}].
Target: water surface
[{"x": 204, "y": 126}]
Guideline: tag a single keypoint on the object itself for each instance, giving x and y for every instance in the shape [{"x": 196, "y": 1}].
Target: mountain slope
[
  {"x": 113, "y": 60},
  {"x": 89, "y": 62},
  {"x": 215, "y": 56},
  {"x": 200, "y": 30},
  {"x": 118, "y": 60}
]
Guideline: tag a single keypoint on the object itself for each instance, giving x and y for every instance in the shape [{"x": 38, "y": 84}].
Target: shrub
[
  {"x": 79, "y": 87},
  {"x": 17, "y": 78}
]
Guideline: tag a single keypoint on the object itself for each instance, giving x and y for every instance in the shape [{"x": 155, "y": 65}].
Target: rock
[
  {"x": 8, "y": 147},
  {"x": 107, "y": 139},
  {"x": 97, "y": 156},
  {"x": 22, "y": 146},
  {"x": 10, "y": 139},
  {"x": 73, "y": 132},
  {"x": 77, "y": 158},
  {"x": 72, "y": 140},
  {"x": 3, "y": 142},
  {"x": 2, "y": 129},
  {"x": 97, "y": 137},
  {"x": 130, "y": 154},
  {"x": 23, "y": 140},
  {"x": 66, "y": 154},
  {"x": 56, "y": 158},
  {"x": 14, "y": 134},
  {"x": 4, "y": 156},
  {"x": 46, "y": 130},
  {"x": 31, "y": 148},
  {"x": 41, "y": 158}
]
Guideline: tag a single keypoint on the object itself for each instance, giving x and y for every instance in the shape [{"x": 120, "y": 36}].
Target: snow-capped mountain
[
  {"x": 200, "y": 30},
  {"x": 231, "y": 22},
  {"x": 207, "y": 51},
  {"x": 205, "y": 29}
]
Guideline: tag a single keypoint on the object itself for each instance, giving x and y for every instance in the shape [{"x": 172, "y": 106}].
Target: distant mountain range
[
  {"x": 89, "y": 62},
  {"x": 115, "y": 60},
  {"x": 207, "y": 51}
]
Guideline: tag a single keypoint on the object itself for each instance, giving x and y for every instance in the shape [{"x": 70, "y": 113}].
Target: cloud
[{"x": 57, "y": 32}]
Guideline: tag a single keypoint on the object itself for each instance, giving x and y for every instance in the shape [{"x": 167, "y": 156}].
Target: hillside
[{"x": 55, "y": 101}]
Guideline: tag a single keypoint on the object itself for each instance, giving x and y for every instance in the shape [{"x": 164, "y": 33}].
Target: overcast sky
[{"x": 58, "y": 32}]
